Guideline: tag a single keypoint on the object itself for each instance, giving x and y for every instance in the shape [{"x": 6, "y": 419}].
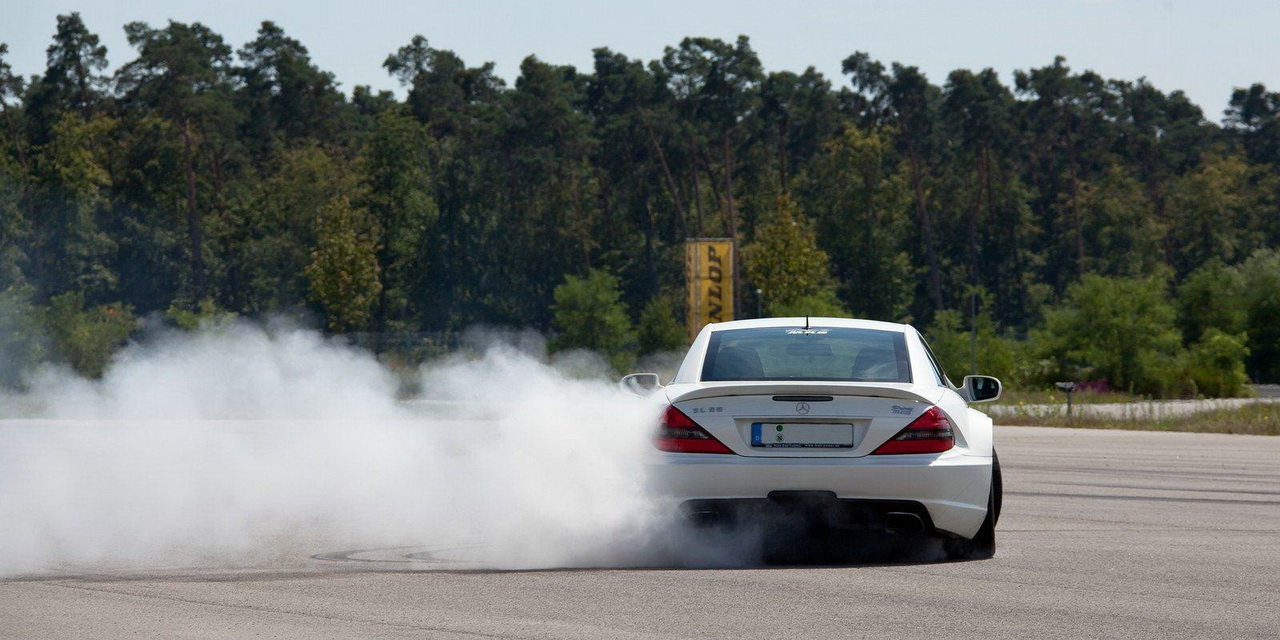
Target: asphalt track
[{"x": 1105, "y": 534}]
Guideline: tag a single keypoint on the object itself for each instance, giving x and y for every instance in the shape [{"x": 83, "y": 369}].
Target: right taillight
[
  {"x": 678, "y": 433},
  {"x": 930, "y": 433}
]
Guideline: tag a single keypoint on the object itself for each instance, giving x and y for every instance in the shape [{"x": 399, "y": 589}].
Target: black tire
[
  {"x": 997, "y": 484},
  {"x": 982, "y": 545}
]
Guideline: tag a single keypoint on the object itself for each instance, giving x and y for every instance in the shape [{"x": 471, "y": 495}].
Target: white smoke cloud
[{"x": 245, "y": 442}]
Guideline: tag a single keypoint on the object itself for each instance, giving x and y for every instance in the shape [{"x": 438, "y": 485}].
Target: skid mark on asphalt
[{"x": 418, "y": 556}]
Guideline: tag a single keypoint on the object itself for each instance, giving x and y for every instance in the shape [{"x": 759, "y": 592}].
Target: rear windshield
[{"x": 820, "y": 354}]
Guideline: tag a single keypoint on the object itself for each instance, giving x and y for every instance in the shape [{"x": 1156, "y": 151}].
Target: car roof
[{"x": 812, "y": 321}]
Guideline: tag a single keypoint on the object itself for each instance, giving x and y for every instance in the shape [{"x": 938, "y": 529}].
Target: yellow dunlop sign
[{"x": 709, "y": 267}]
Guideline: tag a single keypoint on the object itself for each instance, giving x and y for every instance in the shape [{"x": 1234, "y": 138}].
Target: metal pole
[{"x": 1067, "y": 387}]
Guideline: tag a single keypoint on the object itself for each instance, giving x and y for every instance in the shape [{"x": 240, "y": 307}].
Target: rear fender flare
[{"x": 980, "y": 434}]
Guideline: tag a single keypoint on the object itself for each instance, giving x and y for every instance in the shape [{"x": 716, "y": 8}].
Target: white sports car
[{"x": 851, "y": 422}]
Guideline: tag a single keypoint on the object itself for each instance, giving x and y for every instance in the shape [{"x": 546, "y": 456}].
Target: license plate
[{"x": 791, "y": 435}]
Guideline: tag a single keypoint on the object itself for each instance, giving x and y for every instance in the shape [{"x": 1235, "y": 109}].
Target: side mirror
[
  {"x": 641, "y": 384},
  {"x": 980, "y": 388}
]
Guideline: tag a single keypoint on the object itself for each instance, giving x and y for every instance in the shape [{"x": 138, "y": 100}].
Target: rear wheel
[{"x": 982, "y": 545}]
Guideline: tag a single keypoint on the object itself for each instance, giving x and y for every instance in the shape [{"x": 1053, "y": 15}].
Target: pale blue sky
[{"x": 1204, "y": 48}]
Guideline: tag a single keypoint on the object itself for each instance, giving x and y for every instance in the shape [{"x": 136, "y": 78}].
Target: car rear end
[{"x": 875, "y": 451}]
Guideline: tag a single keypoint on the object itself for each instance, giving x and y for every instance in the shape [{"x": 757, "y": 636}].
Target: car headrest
[
  {"x": 736, "y": 363},
  {"x": 875, "y": 364}
]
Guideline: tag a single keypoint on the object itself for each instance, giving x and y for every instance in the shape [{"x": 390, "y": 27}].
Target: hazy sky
[{"x": 1204, "y": 48}]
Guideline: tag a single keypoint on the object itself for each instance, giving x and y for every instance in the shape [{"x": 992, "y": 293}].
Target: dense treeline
[{"x": 202, "y": 178}]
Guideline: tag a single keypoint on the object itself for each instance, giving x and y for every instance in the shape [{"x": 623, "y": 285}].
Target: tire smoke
[{"x": 246, "y": 442}]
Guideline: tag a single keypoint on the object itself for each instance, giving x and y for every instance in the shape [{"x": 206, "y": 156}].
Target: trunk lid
[{"x": 807, "y": 420}]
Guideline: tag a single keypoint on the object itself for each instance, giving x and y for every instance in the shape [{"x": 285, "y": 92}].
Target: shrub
[
  {"x": 954, "y": 344},
  {"x": 1261, "y": 274},
  {"x": 588, "y": 313},
  {"x": 1119, "y": 329},
  {"x": 206, "y": 314},
  {"x": 1211, "y": 296},
  {"x": 659, "y": 331},
  {"x": 785, "y": 263},
  {"x": 1216, "y": 364},
  {"x": 87, "y": 338}
]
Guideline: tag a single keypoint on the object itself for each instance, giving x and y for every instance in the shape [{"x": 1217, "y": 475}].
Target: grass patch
[{"x": 1259, "y": 419}]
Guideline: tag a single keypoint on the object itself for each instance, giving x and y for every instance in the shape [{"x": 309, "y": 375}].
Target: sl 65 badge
[{"x": 901, "y": 411}]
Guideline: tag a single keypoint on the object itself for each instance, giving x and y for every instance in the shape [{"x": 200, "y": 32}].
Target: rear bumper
[
  {"x": 951, "y": 487},
  {"x": 820, "y": 508}
]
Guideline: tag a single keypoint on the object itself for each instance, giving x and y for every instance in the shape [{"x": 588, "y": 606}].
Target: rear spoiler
[{"x": 896, "y": 390}]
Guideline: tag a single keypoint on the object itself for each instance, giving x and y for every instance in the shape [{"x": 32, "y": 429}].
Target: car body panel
[{"x": 952, "y": 486}]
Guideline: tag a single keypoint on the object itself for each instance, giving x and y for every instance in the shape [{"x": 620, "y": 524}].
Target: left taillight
[
  {"x": 679, "y": 433},
  {"x": 930, "y": 433}
]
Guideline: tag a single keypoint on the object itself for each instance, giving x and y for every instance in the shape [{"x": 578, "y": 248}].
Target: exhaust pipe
[
  {"x": 903, "y": 522},
  {"x": 704, "y": 519}
]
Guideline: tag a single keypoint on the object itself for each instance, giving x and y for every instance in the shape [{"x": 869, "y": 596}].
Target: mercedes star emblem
[{"x": 802, "y": 408}]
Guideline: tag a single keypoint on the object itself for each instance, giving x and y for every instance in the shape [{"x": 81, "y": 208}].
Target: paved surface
[
  {"x": 1266, "y": 390},
  {"x": 1113, "y": 534}
]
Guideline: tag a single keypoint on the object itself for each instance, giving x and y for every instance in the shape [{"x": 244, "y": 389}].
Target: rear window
[{"x": 818, "y": 354}]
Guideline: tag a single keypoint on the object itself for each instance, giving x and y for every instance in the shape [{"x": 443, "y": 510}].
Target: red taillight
[
  {"x": 676, "y": 432},
  {"x": 930, "y": 433}
]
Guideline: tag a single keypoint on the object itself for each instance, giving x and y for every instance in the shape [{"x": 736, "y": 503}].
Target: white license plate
[{"x": 793, "y": 435}]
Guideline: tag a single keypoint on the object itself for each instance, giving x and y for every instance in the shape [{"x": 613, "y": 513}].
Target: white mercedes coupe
[{"x": 849, "y": 422}]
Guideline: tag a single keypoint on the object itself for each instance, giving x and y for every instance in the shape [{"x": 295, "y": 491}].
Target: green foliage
[
  {"x": 22, "y": 338},
  {"x": 1241, "y": 301},
  {"x": 207, "y": 314},
  {"x": 589, "y": 314},
  {"x": 862, "y": 207},
  {"x": 343, "y": 272},
  {"x": 277, "y": 228},
  {"x": 821, "y": 303},
  {"x": 1117, "y": 329},
  {"x": 1122, "y": 232},
  {"x": 202, "y": 173},
  {"x": 73, "y": 80},
  {"x": 1216, "y": 364},
  {"x": 786, "y": 264},
  {"x": 1254, "y": 114},
  {"x": 1261, "y": 275},
  {"x": 658, "y": 330},
  {"x": 1211, "y": 297},
  {"x": 87, "y": 338},
  {"x": 286, "y": 97},
  {"x": 14, "y": 226},
  {"x": 963, "y": 351},
  {"x": 397, "y": 193},
  {"x": 74, "y": 184},
  {"x": 1217, "y": 210}
]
